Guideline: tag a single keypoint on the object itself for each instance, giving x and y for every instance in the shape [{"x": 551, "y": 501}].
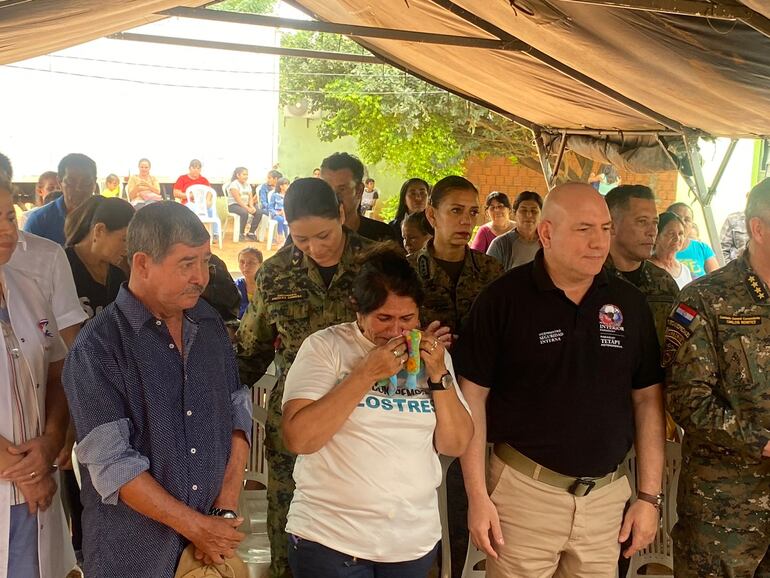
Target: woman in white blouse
[{"x": 368, "y": 467}]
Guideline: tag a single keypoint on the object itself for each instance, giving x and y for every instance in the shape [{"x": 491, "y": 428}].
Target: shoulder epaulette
[{"x": 756, "y": 288}]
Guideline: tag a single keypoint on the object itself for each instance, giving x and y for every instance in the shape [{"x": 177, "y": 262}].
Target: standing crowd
[{"x": 538, "y": 352}]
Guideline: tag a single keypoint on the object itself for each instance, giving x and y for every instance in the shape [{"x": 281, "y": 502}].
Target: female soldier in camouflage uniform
[
  {"x": 303, "y": 288},
  {"x": 453, "y": 275}
]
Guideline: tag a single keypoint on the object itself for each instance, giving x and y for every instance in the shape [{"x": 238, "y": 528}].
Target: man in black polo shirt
[{"x": 560, "y": 364}]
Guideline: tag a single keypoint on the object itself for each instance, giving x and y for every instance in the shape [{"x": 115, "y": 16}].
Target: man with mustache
[{"x": 162, "y": 420}]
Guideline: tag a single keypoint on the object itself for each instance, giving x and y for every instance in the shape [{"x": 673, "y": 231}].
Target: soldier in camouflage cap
[
  {"x": 453, "y": 275},
  {"x": 717, "y": 353},
  {"x": 303, "y": 288}
]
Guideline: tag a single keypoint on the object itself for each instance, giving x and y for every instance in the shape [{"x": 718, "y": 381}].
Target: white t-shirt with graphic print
[{"x": 370, "y": 492}]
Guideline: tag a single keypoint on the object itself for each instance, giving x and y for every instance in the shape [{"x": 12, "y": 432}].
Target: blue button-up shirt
[
  {"x": 48, "y": 221},
  {"x": 138, "y": 405}
]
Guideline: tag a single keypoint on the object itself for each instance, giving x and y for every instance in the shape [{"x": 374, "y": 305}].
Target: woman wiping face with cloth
[{"x": 368, "y": 466}]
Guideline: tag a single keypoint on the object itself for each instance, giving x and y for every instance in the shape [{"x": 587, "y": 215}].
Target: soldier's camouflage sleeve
[
  {"x": 256, "y": 336},
  {"x": 696, "y": 395}
]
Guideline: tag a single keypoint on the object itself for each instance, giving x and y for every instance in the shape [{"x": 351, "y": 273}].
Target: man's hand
[
  {"x": 483, "y": 521},
  {"x": 214, "y": 538},
  {"x": 766, "y": 451},
  {"x": 641, "y": 522},
  {"x": 39, "y": 455},
  {"x": 39, "y": 493}
]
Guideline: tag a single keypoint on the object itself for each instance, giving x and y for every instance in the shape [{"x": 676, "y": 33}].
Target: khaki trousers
[{"x": 548, "y": 532}]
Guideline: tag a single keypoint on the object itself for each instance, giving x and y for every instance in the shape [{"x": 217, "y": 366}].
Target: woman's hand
[
  {"x": 385, "y": 360},
  {"x": 441, "y": 332},
  {"x": 432, "y": 354}
]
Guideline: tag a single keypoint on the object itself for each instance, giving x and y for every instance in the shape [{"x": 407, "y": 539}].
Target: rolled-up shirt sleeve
[
  {"x": 111, "y": 461},
  {"x": 241, "y": 411},
  {"x": 96, "y": 394}
]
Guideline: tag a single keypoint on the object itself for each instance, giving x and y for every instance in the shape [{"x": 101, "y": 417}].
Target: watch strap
[
  {"x": 438, "y": 386},
  {"x": 654, "y": 499}
]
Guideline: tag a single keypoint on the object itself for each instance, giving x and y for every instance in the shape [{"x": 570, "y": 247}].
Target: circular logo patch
[{"x": 611, "y": 316}]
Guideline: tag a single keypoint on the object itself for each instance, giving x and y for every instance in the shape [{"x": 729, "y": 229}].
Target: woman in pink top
[{"x": 498, "y": 208}]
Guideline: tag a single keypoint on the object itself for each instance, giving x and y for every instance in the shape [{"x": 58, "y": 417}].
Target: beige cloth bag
[{"x": 189, "y": 567}]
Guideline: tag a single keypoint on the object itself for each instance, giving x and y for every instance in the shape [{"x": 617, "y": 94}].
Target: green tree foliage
[
  {"x": 414, "y": 127},
  {"x": 249, "y": 6}
]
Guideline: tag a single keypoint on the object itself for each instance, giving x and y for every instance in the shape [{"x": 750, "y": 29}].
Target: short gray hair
[
  {"x": 758, "y": 203},
  {"x": 159, "y": 226}
]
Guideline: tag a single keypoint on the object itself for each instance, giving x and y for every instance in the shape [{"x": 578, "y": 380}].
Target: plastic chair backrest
[
  {"x": 197, "y": 199},
  {"x": 661, "y": 550}
]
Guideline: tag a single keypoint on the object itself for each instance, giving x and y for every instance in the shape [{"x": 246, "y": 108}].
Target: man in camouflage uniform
[
  {"x": 717, "y": 354},
  {"x": 291, "y": 301},
  {"x": 634, "y": 229},
  {"x": 734, "y": 236},
  {"x": 450, "y": 305}
]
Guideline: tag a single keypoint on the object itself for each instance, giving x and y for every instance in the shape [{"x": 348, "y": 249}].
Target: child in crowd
[
  {"x": 416, "y": 231},
  {"x": 249, "y": 261},
  {"x": 275, "y": 208},
  {"x": 111, "y": 186}
]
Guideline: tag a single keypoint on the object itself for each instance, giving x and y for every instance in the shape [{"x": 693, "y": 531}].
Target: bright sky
[{"x": 118, "y": 101}]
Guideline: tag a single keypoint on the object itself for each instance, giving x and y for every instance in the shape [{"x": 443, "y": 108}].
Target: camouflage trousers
[
  {"x": 280, "y": 485},
  {"x": 703, "y": 550},
  {"x": 723, "y": 530}
]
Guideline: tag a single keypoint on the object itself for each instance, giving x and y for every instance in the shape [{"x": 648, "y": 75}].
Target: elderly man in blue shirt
[{"x": 163, "y": 423}]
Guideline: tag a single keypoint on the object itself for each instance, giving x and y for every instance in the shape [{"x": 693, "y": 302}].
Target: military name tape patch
[
  {"x": 740, "y": 320},
  {"x": 676, "y": 335},
  {"x": 287, "y": 297},
  {"x": 684, "y": 314}
]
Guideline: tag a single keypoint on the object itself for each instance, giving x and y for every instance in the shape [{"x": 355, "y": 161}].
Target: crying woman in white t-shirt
[{"x": 368, "y": 467}]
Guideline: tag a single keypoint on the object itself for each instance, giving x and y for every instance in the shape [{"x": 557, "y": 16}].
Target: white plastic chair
[
  {"x": 267, "y": 226},
  {"x": 446, "y": 545},
  {"x": 236, "y": 225},
  {"x": 197, "y": 202},
  {"x": 252, "y": 503},
  {"x": 661, "y": 550}
]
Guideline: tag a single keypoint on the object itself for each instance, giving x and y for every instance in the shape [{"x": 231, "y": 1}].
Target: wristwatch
[
  {"x": 222, "y": 513},
  {"x": 654, "y": 499},
  {"x": 443, "y": 384}
]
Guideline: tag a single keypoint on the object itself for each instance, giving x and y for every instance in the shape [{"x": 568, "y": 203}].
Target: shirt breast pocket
[{"x": 292, "y": 317}]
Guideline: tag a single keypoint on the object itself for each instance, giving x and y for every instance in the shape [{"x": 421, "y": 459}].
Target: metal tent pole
[{"x": 702, "y": 192}]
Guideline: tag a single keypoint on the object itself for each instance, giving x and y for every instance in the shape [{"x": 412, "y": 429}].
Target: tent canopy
[{"x": 574, "y": 65}]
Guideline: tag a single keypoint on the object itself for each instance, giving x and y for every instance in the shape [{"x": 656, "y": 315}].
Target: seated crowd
[{"x": 539, "y": 351}]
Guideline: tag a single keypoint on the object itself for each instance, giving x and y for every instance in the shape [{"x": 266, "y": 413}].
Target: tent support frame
[
  {"x": 544, "y": 153},
  {"x": 701, "y": 190},
  {"x": 568, "y": 71},
  {"x": 344, "y": 29}
]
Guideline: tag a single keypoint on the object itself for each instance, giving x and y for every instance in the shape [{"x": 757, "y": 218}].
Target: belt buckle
[{"x": 582, "y": 487}]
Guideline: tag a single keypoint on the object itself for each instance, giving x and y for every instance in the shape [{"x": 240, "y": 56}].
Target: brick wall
[{"x": 500, "y": 174}]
